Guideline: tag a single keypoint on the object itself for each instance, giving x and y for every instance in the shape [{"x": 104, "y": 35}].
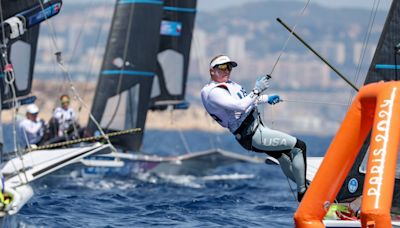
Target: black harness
[
  {"x": 244, "y": 135},
  {"x": 246, "y": 130}
]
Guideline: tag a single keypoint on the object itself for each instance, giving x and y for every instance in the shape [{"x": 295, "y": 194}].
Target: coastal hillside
[{"x": 292, "y": 117}]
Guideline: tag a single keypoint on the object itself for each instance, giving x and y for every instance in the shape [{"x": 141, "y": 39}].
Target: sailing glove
[
  {"x": 262, "y": 84},
  {"x": 273, "y": 99}
]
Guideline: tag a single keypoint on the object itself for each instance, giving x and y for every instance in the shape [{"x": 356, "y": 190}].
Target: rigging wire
[
  {"x": 10, "y": 79},
  {"x": 288, "y": 38},
  {"x": 120, "y": 77},
  {"x": 76, "y": 94},
  {"x": 367, "y": 36},
  {"x": 76, "y": 43},
  {"x": 313, "y": 102},
  {"x": 284, "y": 48},
  {"x": 68, "y": 77},
  {"x": 98, "y": 37},
  {"x": 364, "y": 47},
  {"x": 72, "y": 57},
  {"x": 291, "y": 189},
  {"x": 200, "y": 64},
  {"x": 91, "y": 65},
  {"x": 184, "y": 141}
]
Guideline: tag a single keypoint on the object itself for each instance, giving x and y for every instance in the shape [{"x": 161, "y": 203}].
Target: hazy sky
[{"x": 208, "y": 5}]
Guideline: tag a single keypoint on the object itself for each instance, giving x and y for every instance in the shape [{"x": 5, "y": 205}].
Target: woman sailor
[{"x": 229, "y": 104}]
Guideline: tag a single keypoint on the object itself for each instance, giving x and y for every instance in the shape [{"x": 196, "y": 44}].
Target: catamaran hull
[{"x": 195, "y": 164}]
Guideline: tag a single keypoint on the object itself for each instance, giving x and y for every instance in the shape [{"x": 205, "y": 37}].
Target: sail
[
  {"x": 383, "y": 67},
  {"x": 21, "y": 50},
  {"x": 386, "y": 61},
  {"x": 123, "y": 90},
  {"x": 173, "y": 55}
]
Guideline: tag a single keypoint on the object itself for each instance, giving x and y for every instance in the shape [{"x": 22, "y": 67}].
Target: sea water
[{"x": 239, "y": 195}]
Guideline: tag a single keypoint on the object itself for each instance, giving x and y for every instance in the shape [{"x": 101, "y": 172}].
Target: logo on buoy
[{"x": 352, "y": 185}]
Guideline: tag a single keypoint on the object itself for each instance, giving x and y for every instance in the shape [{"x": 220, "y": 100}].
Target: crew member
[{"x": 229, "y": 104}]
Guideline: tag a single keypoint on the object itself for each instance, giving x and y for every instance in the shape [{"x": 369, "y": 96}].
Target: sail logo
[
  {"x": 170, "y": 28},
  {"x": 381, "y": 139},
  {"x": 44, "y": 14},
  {"x": 352, "y": 186}
]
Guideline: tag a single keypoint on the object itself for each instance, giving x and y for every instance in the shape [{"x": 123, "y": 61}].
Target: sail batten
[{"x": 127, "y": 72}]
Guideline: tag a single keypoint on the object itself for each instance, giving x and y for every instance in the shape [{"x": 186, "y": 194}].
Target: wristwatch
[{"x": 256, "y": 92}]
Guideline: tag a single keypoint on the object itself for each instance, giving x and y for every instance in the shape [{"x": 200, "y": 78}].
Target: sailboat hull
[
  {"x": 195, "y": 164},
  {"x": 339, "y": 223}
]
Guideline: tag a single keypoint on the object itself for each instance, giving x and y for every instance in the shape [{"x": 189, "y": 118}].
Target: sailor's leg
[
  {"x": 278, "y": 145},
  {"x": 286, "y": 166},
  {"x": 289, "y": 151},
  {"x": 298, "y": 167}
]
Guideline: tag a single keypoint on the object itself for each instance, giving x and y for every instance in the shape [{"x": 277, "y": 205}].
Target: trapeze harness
[{"x": 243, "y": 124}]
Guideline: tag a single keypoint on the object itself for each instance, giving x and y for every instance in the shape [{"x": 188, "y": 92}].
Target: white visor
[
  {"x": 32, "y": 109},
  {"x": 221, "y": 60}
]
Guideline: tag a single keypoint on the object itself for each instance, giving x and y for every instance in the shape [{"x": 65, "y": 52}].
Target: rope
[
  {"x": 76, "y": 95},
  {"x": 184, "y": 141},
  {"x": 50, "y": 24},
  {"x": 128, "y": 36},
  {"x": 371, "y": 21},
  {"x": 87, "y": 139},
  {"x": 3, "y": 33},
  {"x": 291, "y": 190},
  {"x": 68, "y": 77},
  {"x": 9, "y": 79},
  {"x": 289, "y": 37},
  {"x": 314, "y": 102},
  {"x": 366, "y": 38},
  {"x": 90, "y": 68}
]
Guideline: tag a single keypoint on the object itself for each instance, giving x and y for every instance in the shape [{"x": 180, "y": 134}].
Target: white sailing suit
[
  {"x": 65, "y": 119},
  {"x": 229, "y": 104},
  {"x": 30, "y": 132}
]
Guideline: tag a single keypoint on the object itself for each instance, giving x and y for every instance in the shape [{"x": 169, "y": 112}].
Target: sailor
[
  {"x": 31, "y": 129},
  {"x": 63, "y": 120},
  {"x": 229, "y": 104}
]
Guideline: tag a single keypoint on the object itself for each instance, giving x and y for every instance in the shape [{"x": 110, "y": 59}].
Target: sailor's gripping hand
[
  {"x": 261, "y": 85},
  {"x": 273, "y": 99}
]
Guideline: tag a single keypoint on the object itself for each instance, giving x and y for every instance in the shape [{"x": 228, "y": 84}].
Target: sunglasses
[{"x": 224, "y": 67}]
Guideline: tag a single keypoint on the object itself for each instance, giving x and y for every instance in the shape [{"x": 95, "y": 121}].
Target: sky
[{"x": 209, "y": 5}]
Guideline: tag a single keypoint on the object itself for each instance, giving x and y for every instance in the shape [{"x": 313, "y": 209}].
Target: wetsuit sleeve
[
  {"x": 222, "y": 98},
  {"x": 262, "y": 99}
]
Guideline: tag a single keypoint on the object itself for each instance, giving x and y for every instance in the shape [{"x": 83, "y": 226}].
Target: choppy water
[{"x": 240, "y": 195}]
